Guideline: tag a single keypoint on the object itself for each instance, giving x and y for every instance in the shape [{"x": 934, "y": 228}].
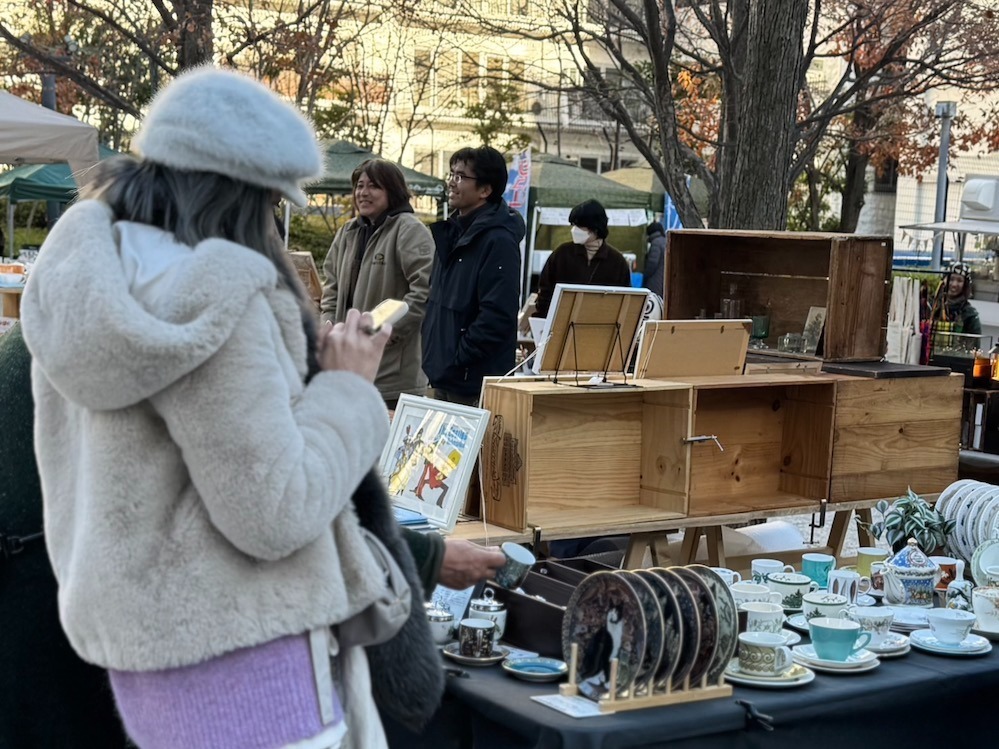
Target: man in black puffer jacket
[{"x": 470, "y": 329}]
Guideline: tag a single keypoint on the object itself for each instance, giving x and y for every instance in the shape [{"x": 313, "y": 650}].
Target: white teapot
[{"x": 911, "y": 577}]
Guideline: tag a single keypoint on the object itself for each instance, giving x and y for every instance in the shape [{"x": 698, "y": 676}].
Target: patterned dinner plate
[
  {"x": 691, "y": 625},
  {"x": 728, "y": 620},
  {"x": 654, "y": 639},
  {"x": 986, "y": 555},
  {"x": 672, "y": 631},
  {"x": 708, "y": 612},
  {"x": 604, "y": 619}
]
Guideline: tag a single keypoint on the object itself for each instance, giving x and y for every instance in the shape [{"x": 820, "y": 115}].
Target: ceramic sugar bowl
[
  {"x": 488, "y": 607},
  {"x": 910, "y": 577},
  {"x": 441, "y": 624}
]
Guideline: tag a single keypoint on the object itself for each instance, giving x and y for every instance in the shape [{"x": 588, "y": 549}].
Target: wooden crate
[
  {"x": 557, "y": 454},
  {"x": 561, "y": 457},
  {"x": 787, "y": 272},
  {"x": 777, "y": 433},
  {"x": 891, "y": 434}
]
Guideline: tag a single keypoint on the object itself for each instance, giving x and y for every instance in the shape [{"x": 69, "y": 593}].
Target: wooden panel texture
[
  {"x": 858, "y": 285},
  {"x": 505, "y": 457},
  {"x": 893, "y": 434}
]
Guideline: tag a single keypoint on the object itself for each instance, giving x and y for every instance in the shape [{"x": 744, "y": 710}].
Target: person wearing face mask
[
  {"x": 383, "y": 253},
  {"x": 587, "y": 259}
]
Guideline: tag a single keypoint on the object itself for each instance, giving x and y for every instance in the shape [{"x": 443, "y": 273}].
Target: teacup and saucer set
[
  {"x": 476, "y": 645},
  {"x": 838, "y": 647},
  {"x": 950, "y": 634},
  {"x": 765, "y": 662},
  {"x": 877, "y": 622}
]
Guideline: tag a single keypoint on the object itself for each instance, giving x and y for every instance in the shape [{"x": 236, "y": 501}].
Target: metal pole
[
  {"x": 49, "y": 102},
  {"x": 946, "y": 110}
]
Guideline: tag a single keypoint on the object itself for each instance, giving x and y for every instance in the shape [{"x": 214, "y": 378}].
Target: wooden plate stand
[{"x": 611, "y": 703}]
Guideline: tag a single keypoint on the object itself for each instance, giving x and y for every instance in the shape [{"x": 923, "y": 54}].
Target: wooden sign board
[
  {"x": 590, "y": 328},
  {"x": 691, "y": 348},
  {"x": 305, "y": 265}
]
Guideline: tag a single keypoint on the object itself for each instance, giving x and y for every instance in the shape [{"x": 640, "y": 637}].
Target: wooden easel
[{"x": 612, "y": 703}]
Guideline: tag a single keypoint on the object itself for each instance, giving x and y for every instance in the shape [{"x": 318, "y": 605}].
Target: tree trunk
[
  {"x": 757, "y": 198},
  {"x": 195, "y": 43},
  {"x": 856, "y": 172}
]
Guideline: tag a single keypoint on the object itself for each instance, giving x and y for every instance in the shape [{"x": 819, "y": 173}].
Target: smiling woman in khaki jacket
[{"x": 383, "y": 253}]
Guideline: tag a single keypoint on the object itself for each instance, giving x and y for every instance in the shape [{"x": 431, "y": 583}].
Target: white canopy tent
[{"x": 30, "y": 134}]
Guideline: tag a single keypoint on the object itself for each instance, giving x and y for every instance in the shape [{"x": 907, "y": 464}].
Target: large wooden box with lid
[
  {"x": 787, "y": 273},
  {"x": 559, "y": 456}
]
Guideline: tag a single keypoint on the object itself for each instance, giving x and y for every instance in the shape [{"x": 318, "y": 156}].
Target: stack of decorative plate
[
  {"x": 675, "y": 627},
  {"x": 924, "y": 639},
  {"x": 908, "y": 618},
  {"x": 893, "y": 645},
  {"x": 860, "y": 662},
  {"x": 974, "y": 508},
  {"x": 795, "y": 676},
  {"x": 986, "y": 554}
]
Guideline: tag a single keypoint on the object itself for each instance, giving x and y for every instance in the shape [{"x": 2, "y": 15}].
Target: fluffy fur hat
[{"x": 212, "y": 120}]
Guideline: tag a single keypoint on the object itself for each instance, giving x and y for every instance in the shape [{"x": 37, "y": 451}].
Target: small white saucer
[
  {"x": 988, "y": 634},
  {"x": 796, "y": 676},
  {"x": 790, "y": 637},
  {"x": 860, "y": 659},
  {"x": 799, "y": 622},
  {"x": 971, "y": 645},
  {"x": 869, "y": 666},
  {"x": 874, "y": 593},
  {"x": 865, "y": 599},
  {"x": 451, "y": 651},
  {"x": 895, "y": 653},
  {"x": 893, "y": 643}
]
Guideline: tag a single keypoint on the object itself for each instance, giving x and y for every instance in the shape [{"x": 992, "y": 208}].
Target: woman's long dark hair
[{"x": 194, "y": 206}]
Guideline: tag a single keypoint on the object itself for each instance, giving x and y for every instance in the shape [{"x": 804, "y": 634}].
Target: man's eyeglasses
[{"x": 457, "y": 177}]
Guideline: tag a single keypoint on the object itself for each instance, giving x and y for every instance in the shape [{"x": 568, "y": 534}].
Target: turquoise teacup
[
  {"x": 837, "y": 639},
  {"x": 818, "y": 567}
]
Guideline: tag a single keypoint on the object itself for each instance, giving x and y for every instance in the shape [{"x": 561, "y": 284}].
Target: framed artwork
[
  {"x": 590, "y": 329},
  {"x": 430, "y": 455},
  {"x": 814, "y": 323}
]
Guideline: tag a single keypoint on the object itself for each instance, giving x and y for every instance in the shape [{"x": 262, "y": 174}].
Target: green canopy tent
[
  {"x": 30, "y": 182},
  {"x": 43, "y": 181},
  {"x": 343, "y": 157},
  {"x": 559, "y": 183}
]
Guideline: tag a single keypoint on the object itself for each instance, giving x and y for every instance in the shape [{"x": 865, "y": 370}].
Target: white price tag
[{"x": 574, "y": 706}]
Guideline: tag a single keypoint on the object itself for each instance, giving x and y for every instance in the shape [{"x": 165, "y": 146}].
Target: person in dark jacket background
[
  {"x": 49, "y": 697},
  {"x": 654, "y": 278},
  {"x": 470, "y": 329},
  {"x": 587, "y": 259}
]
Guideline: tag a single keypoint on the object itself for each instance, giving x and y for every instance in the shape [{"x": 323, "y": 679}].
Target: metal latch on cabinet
[{"x": 704, "y": 438}]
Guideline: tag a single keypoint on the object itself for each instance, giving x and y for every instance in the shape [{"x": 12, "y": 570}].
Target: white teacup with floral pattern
[
  {"x": 763, "y": 617},
  {"x": 820, "y": 603},
  {"x": 763, "y": 654},
  {"x": 874, "y": 620}
]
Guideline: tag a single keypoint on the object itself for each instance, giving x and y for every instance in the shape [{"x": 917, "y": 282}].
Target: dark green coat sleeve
[{"x": 428, "y": 551}]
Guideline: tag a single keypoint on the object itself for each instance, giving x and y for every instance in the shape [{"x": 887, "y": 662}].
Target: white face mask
[{"x": 580, "y": 236}]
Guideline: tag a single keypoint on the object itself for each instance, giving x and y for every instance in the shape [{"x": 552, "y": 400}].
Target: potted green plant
[{"x": 908, "y": 517}]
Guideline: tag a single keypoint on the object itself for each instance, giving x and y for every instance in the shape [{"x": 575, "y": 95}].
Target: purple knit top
[{"x": 261, "y": 697}]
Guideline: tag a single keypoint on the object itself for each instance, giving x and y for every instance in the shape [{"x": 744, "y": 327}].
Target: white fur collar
[{"x": 78, "y": 315}]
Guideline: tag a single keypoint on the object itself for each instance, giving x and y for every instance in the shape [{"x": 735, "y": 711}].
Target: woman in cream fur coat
[{"x": 197, "y": 454}]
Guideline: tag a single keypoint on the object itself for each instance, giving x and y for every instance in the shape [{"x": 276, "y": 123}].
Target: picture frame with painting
[
  {"x": 430, "y": 457},
  {"x": 812, "y": 333}
]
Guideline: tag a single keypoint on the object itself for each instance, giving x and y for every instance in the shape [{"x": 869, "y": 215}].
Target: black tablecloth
[{"x": 919, "y": 700}]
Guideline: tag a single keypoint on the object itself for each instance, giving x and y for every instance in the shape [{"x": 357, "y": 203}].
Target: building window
[{"x": 886, "y": 178}]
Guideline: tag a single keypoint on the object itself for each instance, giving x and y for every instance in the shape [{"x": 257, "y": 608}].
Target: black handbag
[{"x": 407, "y": 676}]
